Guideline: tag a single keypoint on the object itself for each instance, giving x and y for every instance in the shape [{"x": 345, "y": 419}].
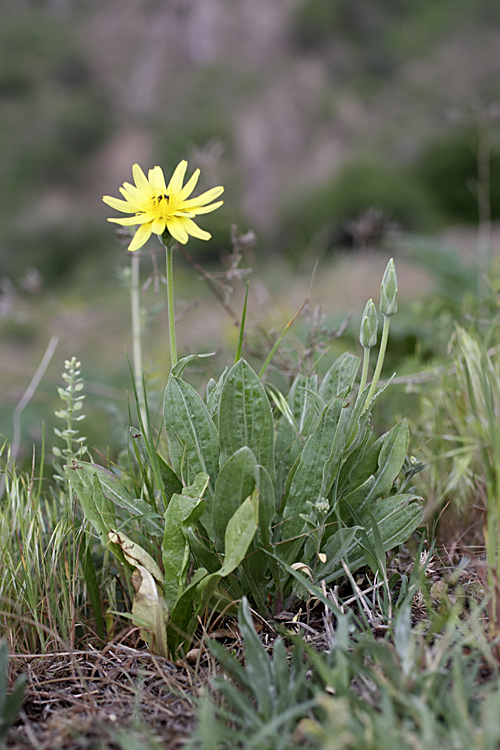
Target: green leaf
[
  {"x": 4, "y": 660},
  {"x": 245, "y": 417},
  {"x": 182, "y": 512},
  {"x": 193, "y": 601},
  {"x": 318, "y": 465},
  {"x": 183, "y": 615},
  {"x": 294, "y": 427},
  {"x": 357, "y": 498},
  {"x": 9, "y": 704},
  {"x": 198, "y": 486},
  {"x": 96, "y": 508},
  {"x": 396, "y": 517},
  {"x": 332, "y": 465},
  {"x": 213, "y": 396},
  {"x": 192, "y": 436},
  {"x": 360, "y": 464},
  {"x": 239, "y": 533},
  {"x": 257, "y": 663},
  {"x": 181, "y": 365},
  {"x": 374, "y": 474},
  {"x": 300, "y": 404},
  {"x": 204, "y": 556},
  {"x": 116, "y": 492},
  {"x": 336, "y": 548},
  {"x": 234, "y": 484},
  {"x": 280, "y": 669},
  {"x": 266, "y": 504},
  {"x": 170, "y": 480},
  {"x": 341, "y": 374},
  {"x": 229, "y": 663},
  {"x": 242, "y": 326},
  {"x": 390, "y": 460}
]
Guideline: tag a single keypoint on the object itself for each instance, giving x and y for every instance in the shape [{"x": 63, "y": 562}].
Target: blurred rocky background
[
  {"x": 333, "y": 124},
  {"x": 309, "y": 111}
]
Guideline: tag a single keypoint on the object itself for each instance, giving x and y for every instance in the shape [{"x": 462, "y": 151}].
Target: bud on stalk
[{"x": 389, "y": 291}]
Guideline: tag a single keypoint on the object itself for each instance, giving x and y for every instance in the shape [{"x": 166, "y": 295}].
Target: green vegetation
[
  {"x": 293, "y": 542},
  {"x": 221, "y": 502}
]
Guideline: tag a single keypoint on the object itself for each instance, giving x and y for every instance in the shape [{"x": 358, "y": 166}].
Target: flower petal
[
  {"x": 130, "y": 221},
  {"x": 118, "y": 204},
  {"x": 189, "y": 186},
  {"x": 140, "y": 179},
  {"x": 175, "y": 184},
  {"x": 177, "y": 231},
  {"x": 204, "y": 198},
  {"x": 193, "y": 229},
  {"x": 135, "y": 196},
  {"x": 196, "y": 211},
  {"x": 140, "y": 238},
  {"x": 157, "y": 180},
  {"x": 158, "y": 225}
]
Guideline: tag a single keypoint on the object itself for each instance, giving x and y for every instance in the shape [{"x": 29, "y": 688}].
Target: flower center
[{"x": 157, "y": 199}]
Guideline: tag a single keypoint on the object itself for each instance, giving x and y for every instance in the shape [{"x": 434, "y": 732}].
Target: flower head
[
  {"x": 158, "y": 207},
  {"x": 369, "y": 326},
  {"x": 389, "y": 291}
]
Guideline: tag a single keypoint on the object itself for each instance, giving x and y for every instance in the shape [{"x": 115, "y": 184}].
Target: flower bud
[
  {"x": 389, "y": 291},
  {"x": 369, "y": 326}
]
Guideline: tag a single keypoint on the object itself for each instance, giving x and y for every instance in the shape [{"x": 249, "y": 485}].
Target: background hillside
[
  {"x": 308, "y": 111},
  {"x": 331, "y": 124}
]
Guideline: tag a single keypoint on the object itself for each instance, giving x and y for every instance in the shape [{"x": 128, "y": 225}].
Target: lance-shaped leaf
[
  {"x": 396, "y": 517},
  {"x": 182, "y": 512},
  {"x": 234, "y": 484},
  {"x": 341, "y": 375},
  {"x": 390, "y": 460},
  {"x": 266, "y": 504},
  {"x": 318, "y": 464},
  {"x": 245, "y": 417},
  {"x": 375, "y": 471},
  {"x": 239, "y": 534},
  {"x": 193, "y": 441},
  {"x": 336, "y": 548},
  {"x": 213, "y": 395},
  {"x": 10, "y": 704},
  {"x": 180, "y": 366},
  {"x": 96, "y": 507},
  {"x": 294, "y": 427},
  {"x": 170, "y": 480},
  {"x": 113, "y": 489}
]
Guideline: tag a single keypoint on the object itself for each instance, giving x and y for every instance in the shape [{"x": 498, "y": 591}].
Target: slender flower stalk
[
  {"x": 136, "y": 335},
  {"x": 170, "y": 298},
  {"x": 388, "y": 308},
  {"x": 367, "y": 339},
  {"x": 380, "y": 360}
]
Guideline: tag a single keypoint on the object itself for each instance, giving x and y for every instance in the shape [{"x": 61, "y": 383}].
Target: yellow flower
[{"x": 158, "y": 207}]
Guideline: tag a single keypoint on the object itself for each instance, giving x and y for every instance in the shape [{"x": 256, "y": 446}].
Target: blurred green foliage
[
  {"x": 448, "y": 171},
  {"x": 362, "y": 184},
  {"x": 54, "y": 116}
]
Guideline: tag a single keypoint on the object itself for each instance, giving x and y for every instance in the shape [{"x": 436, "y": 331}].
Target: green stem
[
  {"x": 170, "y": 305},
  {"x": 380, "y": 360},
  {"x": 364, "y": 371},
  {"x": 136, "y": 334}
]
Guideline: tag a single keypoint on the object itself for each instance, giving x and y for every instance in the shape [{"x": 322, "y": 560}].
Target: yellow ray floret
[{"x": 158, "y": 207}]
